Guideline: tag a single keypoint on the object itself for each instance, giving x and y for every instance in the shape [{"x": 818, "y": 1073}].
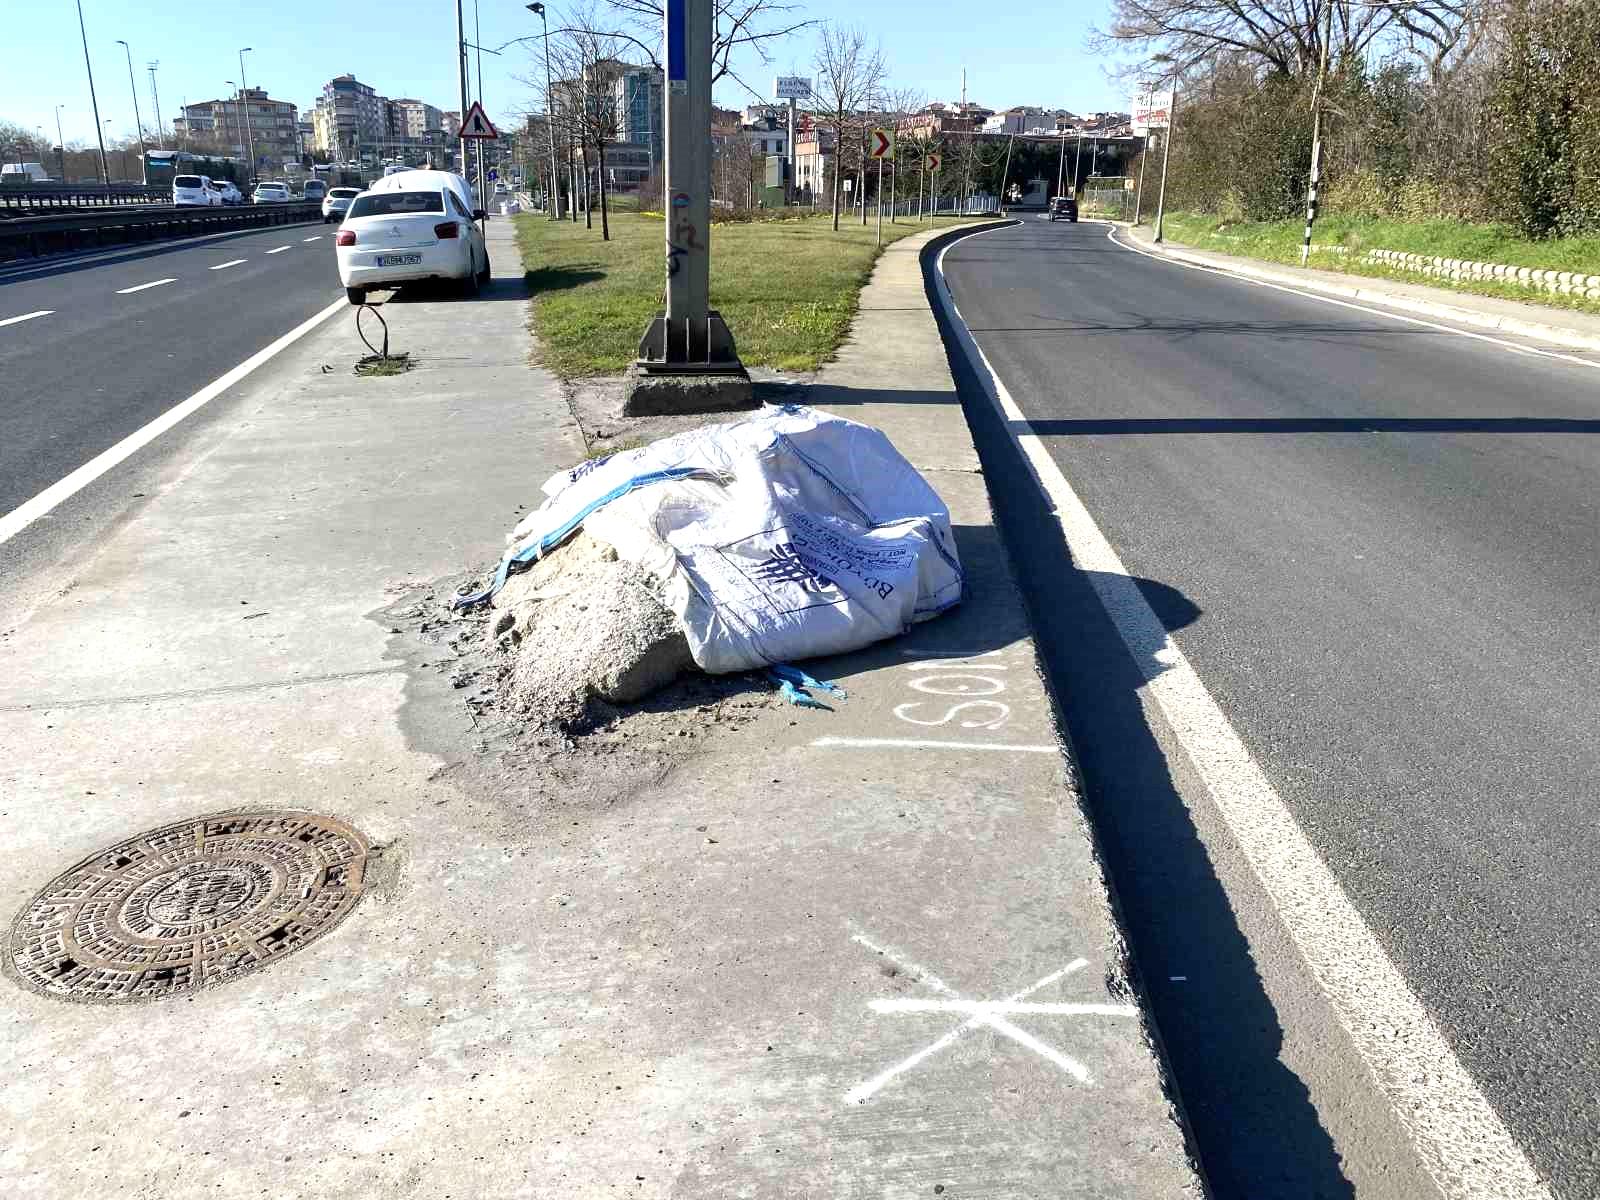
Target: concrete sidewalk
[
  {"x": 855, "y": 953},
  {"x": 1514, "y": 318}
]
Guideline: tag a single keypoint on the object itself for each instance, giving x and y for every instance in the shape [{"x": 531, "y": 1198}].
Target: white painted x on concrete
[{"x": 992, "y": 1014}]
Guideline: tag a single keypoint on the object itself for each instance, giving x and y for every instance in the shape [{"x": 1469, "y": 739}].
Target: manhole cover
[{"x": 187, "y": 906}]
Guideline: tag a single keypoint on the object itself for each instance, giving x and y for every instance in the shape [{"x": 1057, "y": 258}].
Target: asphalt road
[
  {"x": 1377, "y": 543},
  {"x": 103, "y": 361}
]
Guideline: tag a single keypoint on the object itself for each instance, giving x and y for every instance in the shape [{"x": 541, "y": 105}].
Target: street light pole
[
  {"x": 226, "y": 132},
  {"x": 553, "y": 201},
  {"x": 99, "y": 131},
  {"x": 61, "y": 146},
  {"x": 155, "y": 99},
  {"x": 244, "y": 101},
  {"x": 144, "y": 161}
]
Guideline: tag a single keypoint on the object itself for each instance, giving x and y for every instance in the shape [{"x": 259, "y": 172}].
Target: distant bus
[{"x": 162, "y": 165}]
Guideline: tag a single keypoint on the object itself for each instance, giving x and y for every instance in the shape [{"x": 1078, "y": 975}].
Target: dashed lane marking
[
  {"x": 280, "y": 249},
  {"x": 139, "y": 287},
  {"x": 232, "y": 262},
  {"x": 318, "y": 238},
  {"x": 43, "y": 312}
]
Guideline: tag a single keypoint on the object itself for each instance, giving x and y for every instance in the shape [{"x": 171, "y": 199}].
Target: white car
[
  {"x": 411, "y": 226},
  {"x": 226, "y": 189},
  {"x": 271, "y": 193},
  {"x": 337, "y": 202},
  {"x": 189, "y": 190}
]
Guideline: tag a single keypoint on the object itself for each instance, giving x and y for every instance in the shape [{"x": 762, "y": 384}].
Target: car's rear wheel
[
  {"x": 483, "y": 275},
  {"x": 356, "y": 295}
]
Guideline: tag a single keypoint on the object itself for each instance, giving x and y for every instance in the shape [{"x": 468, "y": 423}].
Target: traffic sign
[
  {"x": 476, "y": 124},
  {"x": 932, "y": 163},
  {"x": 881, "y": 144}
]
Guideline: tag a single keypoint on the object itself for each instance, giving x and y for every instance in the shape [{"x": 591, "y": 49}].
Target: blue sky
[{"x": 1035, "y": 54}]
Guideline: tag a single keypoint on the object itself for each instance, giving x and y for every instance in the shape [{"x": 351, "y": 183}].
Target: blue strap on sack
[{"x": 794, "y": 684}]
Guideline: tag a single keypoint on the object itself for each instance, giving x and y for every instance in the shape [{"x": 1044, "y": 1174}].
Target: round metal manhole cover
[{"x": 187, "y": 906}]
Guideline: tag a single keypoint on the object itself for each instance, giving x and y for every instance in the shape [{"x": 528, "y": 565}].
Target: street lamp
[
  {"x": 155, "y": 99},
  {"x": 105, "y": 169},
  {"x": 553, "y": 200},
  {"x": 144, "y": 171},
  {"x": 61, "y": 146},
  {"x": 244, "y": 103}
]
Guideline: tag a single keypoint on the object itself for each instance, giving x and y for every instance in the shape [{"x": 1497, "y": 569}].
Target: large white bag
[{"x": 784, "y": 536}]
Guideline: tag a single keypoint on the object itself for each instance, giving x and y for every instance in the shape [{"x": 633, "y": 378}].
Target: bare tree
[
  {"x": 1286, "y": 35},
  {"x": 734, "y": 24},
  {"x": 594, "y": 64},
  {"x": 849, "y": 78}
]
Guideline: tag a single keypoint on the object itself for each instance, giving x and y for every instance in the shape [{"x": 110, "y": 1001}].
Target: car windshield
[
  {"x": 378, "y": 204},
  {"x": 186, "y": 181}
]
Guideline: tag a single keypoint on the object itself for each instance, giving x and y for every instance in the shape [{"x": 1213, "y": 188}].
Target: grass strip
[{"x": 787, "y": 289}]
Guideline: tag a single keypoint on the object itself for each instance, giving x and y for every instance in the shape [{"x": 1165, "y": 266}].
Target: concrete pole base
[{"x": 664, "y": 392}]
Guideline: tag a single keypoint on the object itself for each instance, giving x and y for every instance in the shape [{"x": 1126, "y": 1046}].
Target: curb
[{"x": 1539, "y": 331}]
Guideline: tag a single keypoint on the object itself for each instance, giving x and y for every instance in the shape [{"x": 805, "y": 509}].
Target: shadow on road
[
  {"x": 1255, "y": 1129},
  {"x": 1069, "y": 427}
]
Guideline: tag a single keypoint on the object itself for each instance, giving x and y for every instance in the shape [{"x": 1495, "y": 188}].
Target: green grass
[
  {"x": 1279, "y": 241},
  {"x": 787, "y": 289}
]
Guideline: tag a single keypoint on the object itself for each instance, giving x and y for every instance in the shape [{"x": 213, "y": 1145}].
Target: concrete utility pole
[
  {"x": 61, "y": 146},
  {"x": 1166, "y": 156},
  {"x": 687, "y": 361},
  {"x": 144, "y": 160},
  {"x": 155, "y": 100},
  {"x": 1316, "y": 136},
  {"x": 99, "y": 130}
]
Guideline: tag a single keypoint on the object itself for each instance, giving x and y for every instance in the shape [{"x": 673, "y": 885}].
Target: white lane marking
[
  {"x": 318, "y": 238},
  {"x": 232, "y": 262},
  {"x": 43, "y": 312},
  {"x": 142, "y": 286},
  {"x": 19, "y": 518},
  {"x": 1461, "y": 1141},
  {"x": 1392, "y": 315},
  {"x": 876, "y": 743},
  {"x": 990, "y": 1014},
  {"x": 280, "y": 249}
]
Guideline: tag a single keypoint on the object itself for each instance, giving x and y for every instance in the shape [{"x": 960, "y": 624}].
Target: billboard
[
  {"x": 1151, "y": 111},
  {"x": 791, "y": 87}
]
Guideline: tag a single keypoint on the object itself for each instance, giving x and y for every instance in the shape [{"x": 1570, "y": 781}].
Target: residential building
[
  {"x": 349, "y": 114},
  {"x": 939, "y": 118},
  {"x": 813, "y": 164},
  {"x": 768, "y": 133},
  {"x": 641, "y": 110},
  {"x": 1021, "y": 119},
  {"x": 413, "y": 120},
  {"x": 273, "y": 126}
]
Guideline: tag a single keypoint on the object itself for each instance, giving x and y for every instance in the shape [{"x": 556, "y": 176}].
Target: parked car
[
  {"x": 315, "y": 189},
  {"x": 271, "y": 193},
  {"x": 412, "y": 226},
  {"x": 1063, "y": 208},
  {"x": 228, "y": 191},
  {"x": 337, "y": 202}
]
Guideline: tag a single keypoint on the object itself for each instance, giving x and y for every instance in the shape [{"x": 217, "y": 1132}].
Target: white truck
[{"x": 30, "y": 172}]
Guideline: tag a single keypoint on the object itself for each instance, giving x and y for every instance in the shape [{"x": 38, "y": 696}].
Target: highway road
[
  {"x": 95, "y": 346},
  {"x": 1376, "y": 543}
]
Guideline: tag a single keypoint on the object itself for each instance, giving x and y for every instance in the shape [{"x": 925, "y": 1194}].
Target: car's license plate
[{"x": 399, "y": 260}]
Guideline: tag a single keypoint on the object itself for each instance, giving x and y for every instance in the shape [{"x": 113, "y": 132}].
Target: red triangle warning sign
[{"x": 476, "y": 123}]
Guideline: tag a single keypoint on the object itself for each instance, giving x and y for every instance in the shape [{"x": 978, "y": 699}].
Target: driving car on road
[
  {"x": 412, "y": 226},
  {"x": 188, "y": 190},
  {"x": 271, "y": 193},
  {"x": 228, "y": 191},
  {"x": 337, "y": 202},
  {"x": 1063, "y": 208},
  {"x": 315, "y": 189}
]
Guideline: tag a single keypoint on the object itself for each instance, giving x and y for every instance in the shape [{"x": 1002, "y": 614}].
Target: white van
[
  {"x": 32, "y": 172},
  {"x": 194, "y": 189}
]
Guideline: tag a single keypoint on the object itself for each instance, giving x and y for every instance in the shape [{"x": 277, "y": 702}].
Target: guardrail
[
  {"x": 80, "y": 195},
  {"x": 33, "y": 237}
]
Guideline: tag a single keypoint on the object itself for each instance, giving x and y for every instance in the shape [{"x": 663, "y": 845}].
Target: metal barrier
[
  {"x": 33, "y": 237},
  {"x": 17, "y": 201}
]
